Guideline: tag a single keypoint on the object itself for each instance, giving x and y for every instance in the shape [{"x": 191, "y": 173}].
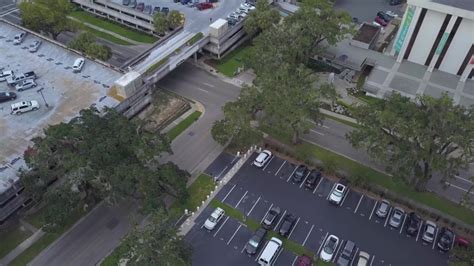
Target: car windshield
[
  {"x": 337, "y": 193},
  {"x": 212, "y": 219},
  {"x": 253, "y": 243}
]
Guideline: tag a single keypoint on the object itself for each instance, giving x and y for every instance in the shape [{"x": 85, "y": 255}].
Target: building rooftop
[
  {"x": 462, "y": 4},
  {"x": 366, "y": 33}
]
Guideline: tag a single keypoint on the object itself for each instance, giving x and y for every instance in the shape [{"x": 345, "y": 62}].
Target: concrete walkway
[{"x": 37, "y": 234}]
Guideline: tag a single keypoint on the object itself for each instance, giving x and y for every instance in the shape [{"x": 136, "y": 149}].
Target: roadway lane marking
[
  {"x": 373, "y": 209},
  {"x": 291, "y": 174},
  {"x": 225, "y": 168},
  {"x": 419, "y": 231},
  {"x": 326, "y": 127},
  {"x": 222, "y": 225},
  {"x": 322, "y": 244},
  {"x": 266, "y": 213},
  {"x": 464, "y": 179},
  {"x": 281, "y": 218},
  {"x": 232, "y": 237},
  {"x": 293, "y": 229},
  {"x": 268, "y": 163},
  {"x": 317, "y": 132},
  {"x": 388, "y": 216},
  {"x": 304, "y": 180},
  {"x": 372, "y": 261},
  {"x": 337, "y": 250},
  {"x": 203, "y": 90},
  {"x": 320, "y": 180},
  {"x": 307, "y": 236},
  {"x": 404, "y": 219},
  {"x": 345, "y": 196},
  {"x": 358, "y": 204},
  {"x": 280, "y": 168},
  {"x": 458, "y": 187},
  {"x": 209, "y": 85},
  {"x": 223, "y": 200},
  {"x": 253, "y": 206},
  {"x": 435, "y": 238},
  {"x": 353, "y": 260},
  {"x": 245, "y": 194}
]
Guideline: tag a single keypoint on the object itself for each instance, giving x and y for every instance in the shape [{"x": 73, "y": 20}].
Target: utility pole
[{"x": 40, "y": 91}]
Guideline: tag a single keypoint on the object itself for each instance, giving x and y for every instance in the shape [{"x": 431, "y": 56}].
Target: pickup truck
[
  {"x": 5, "y": 75},
  {"x": 15, "y": 79}
]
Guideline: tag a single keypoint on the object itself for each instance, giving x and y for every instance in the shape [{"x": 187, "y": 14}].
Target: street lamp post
[{"x": 40, "y": 91}]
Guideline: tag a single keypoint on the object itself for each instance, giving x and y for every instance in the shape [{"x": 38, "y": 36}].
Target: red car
[
  {"x": 303, "y": 261},
  {"x": 380, "y": 21},
  {"x": 204, "y": 6},
  {"x": 140, "y": 7}
]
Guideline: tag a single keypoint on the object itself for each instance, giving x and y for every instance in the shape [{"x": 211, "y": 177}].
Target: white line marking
[
  {"x": 304, "y": 180},
  {"x": 281, "y": 218},
  {"x": 317, "y": 132},
  {"x": 294, "y": 260},
  {"x": 203, "y": 90},
  {"x": 372, "y": 261},
  {"x": 458, "y": 187},
  {"x": 266, "y": 213},
  {"x": 245, "y": 194},
  {"x": 232, "y": 237},
  {"x": 278, "y": 255},
  {"x": 280, "y": 168},
  {"x": 419, "y": 230},
  {"x": 253, "y": 206},
  {"x": 403, "y": 224},
  {"x": 261, "y": 250},
  {"x": 326, "y": 127},
  {"x": 228, "y": 193},
  {"x": 354, "y": 259},
  {"x": 242, "y": 251},
  {"x": 291, "y": 174},
  {"x": 337, "y": 250},
  {"x": 233, "y": 160},
  {"x": 219, "y": 175},
  {"x": 358, "y": 204},
  {"x": 222, "y": 225},
  {"x": 452, "y": 244},
  {"x": 373, "y": 209},
  {"x": 320, "y": 180},
  {"x": 209, "y": 85},
  {"x": 321, "y": 246},
  {"x": 435, "y": 238},
  {"x": 388, "y": 217},
  {"x": 9, "y": 12},
  {"x": 309, "y": 233},
  {"x": 464, "y": 179},
  {"x": 268, "y": 163},
  {"x": 345, "y": 196},
  {"x": 292, "y": 230},
  {"x": 329, "y": 194}
]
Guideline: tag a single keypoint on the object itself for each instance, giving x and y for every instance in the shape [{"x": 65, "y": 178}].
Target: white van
[
  {"x": 78, "y": 64},
  {"x": 23, "y": 107},
  {"x": 270, "y": 252}
]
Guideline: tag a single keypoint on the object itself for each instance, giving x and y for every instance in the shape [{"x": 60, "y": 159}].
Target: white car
[
  {"x": 391, "y": 14},
  {"x": 337, "y": 193},
  {"x": 429, "y": 232},
  {"x": 214, "y": 219},
  {"x": 78, "y": 65},
  {"x": 34, "y": 46},
  {"x": 5, "y": 75},
  {"x": 263, "y": 158},
  {"x": 329, "y": 248},
  {"x": 25, "y": 84},
  {"x": 23, "y": 107},
  {"x": 18, "y": 39},
  {"x": 363, "y": 258}
]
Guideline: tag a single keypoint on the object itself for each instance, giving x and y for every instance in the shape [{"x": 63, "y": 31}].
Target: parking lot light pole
[{"x": 40, "y": 91}]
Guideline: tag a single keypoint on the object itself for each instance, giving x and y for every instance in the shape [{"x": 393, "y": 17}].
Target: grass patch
[
  {"x": 48, "y": 238},
  {"x": 179, "y": 128},
  {"x": 113, "y": 27},
  {"x": 12, "y": 238},
  {"x": 229, "y": 64},
  {"x": 156, "y": 65},
  {"x": 195, "y": 38},
  {"x": 371, "y": 176},
  {"x": 369, "y": 99},
  {"x": 105, "y": 36},
  {"x": 342, "y": 121}
]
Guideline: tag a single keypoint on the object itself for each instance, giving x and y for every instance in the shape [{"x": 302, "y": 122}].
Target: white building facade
[{"x": 438, "y": 34}]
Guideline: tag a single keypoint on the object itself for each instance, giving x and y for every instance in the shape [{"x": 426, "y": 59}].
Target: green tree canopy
[
  {"x": 160, "y": 22},
  {"x": 174, "y": 19},
  {"x": 86, "y": 43},
  {"x": 416, "y": 138},
  {"x": 262, "y": 18}
]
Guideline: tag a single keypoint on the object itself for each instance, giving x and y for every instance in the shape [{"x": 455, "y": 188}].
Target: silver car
[
  {"x": 429, "y": 232},
  {"x": 396, "y": 218},
  {"x": 383, "y": 209},
  {"x": 34, "y": 46},
  {"x": 25, "y": 84}
]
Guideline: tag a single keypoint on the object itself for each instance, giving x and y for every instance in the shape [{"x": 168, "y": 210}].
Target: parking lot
[
  {"x": 65, "y": 92},
  {"x": 366, "y": 10},
  {"x": 254, "y": 191}
]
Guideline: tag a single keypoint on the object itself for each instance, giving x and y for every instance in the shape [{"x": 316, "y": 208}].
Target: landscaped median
[
  {"x": 229, "y": 64},
  {"x": 183, "y": 125}
]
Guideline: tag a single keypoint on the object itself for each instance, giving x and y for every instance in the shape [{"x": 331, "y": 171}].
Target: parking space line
[
  {"x": 353, "y": 260},
  {"x": 245, "y": 194},
  {"x": 268, "y": 163},
  {"x": 452, "y": 244},
  {"x": 266, "y": 213},
  {"x": 373, "y": 209},
  {"x": 281, "y": 218},
  {"x": 233, "y": 160},
  {"x": 280, "y": 168},
  {"x": 403, "y": 224},
  {"x": 307, "y": 236},
  {"x": 261, "y": 250},
  {"x": 294, "y": 260},
  {"x": 292, "y": 230},
  {"x": 345, "y": 197},
  {"x": 372, "y": 261},
  {"x": 332, "y": 189},
  {"x": 322, "y": 243},
  {"x": 419, "y": 230},
  {"x": 221, "y": 172},
  {"x": 232, "y": 237},
  {"x": 435, "y": 238},
  {"x": 222, "y": 225},
  {"x": 304, "y": 180},
  {"x": 388, "y": 217},
  {"x": 320, "y": 180},
  {"x": 253, "y": 206},
  {"x": 228, "y": 193},
  {"x": 337, "y": 250},
  {"x": 317, "y": 132},
  {"x": 291, "y": 174},
  {"x": 358, "y": 204},
  {"x": 243, "y": 248}
]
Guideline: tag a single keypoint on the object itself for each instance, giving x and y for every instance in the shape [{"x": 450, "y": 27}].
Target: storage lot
[
  {"x": 65, "y": 92},
  {"x": 254, "y": 191}
]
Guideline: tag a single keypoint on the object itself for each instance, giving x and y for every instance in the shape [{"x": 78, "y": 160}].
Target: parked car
[
  {"x": 300, "y": 173},
  {"x": 125, "y": 2},
  {"x": 25, "y": 84},
  {"x": 383, "y": 209},
  {"x": 233, "y": 15},
  {"x": 256, "y": 241},
  {"x": 203, "y": 6},
  {"x": 147, "y": 9},
  {"x": 156, "y": 9},
  {"x": 141, "y": 6},
  {"x": 271, "y": 218},
  {"x": 347, "y": 254},
  {"x": 270, "y": 252},
  {"x": 380, "y": 21},
  {"x": 395, "y": 2},
  {"x": 303, "y": 261},
  {"x": 214, "y": 219},
  {"x": 34, "y": 46},
  {"x": 5, "y": 75},
  {"x": 384, "y": 16},
  {"x": 429, "y": 232},
  {"x": 396, "y": 218},
  {"x": 262, "y": 158},
  {"x": 133, "y": 4},
  {"x": 232, "y": 21},
  {"x": 446, "y": 239},
  {"x": 329, "y": 248},
  {"x": 78, "y": 65},
  {"x": 7, "y": 96},
  {"x": 287, "y": 225},
  {"x": 165, "y": 10},
  {"x": 413, "y": 224},
  {"x": 337, "y": 193},
  {"x": 462, "y": 242},
  {"x": 363, "y": 259},
  {"x": 313, "y": 179},
  {"x": 18, "y": 39},
  {"x": 391, "y": 14},
  {"x": 184, "y": 2},
  {"x": 17, "y": 78},
  {"x": 23, "y": 107}
]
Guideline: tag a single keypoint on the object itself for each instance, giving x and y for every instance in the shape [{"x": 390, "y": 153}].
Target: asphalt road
[
  {"x": 254, "y": 191},
  {"x": 366, "y": 10}
]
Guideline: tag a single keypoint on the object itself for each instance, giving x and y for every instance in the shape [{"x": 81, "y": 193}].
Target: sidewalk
[{"x": 37, "y": 234}]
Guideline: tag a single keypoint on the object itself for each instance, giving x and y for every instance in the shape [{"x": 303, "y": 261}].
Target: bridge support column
[{"x": 195, "y": 57}]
